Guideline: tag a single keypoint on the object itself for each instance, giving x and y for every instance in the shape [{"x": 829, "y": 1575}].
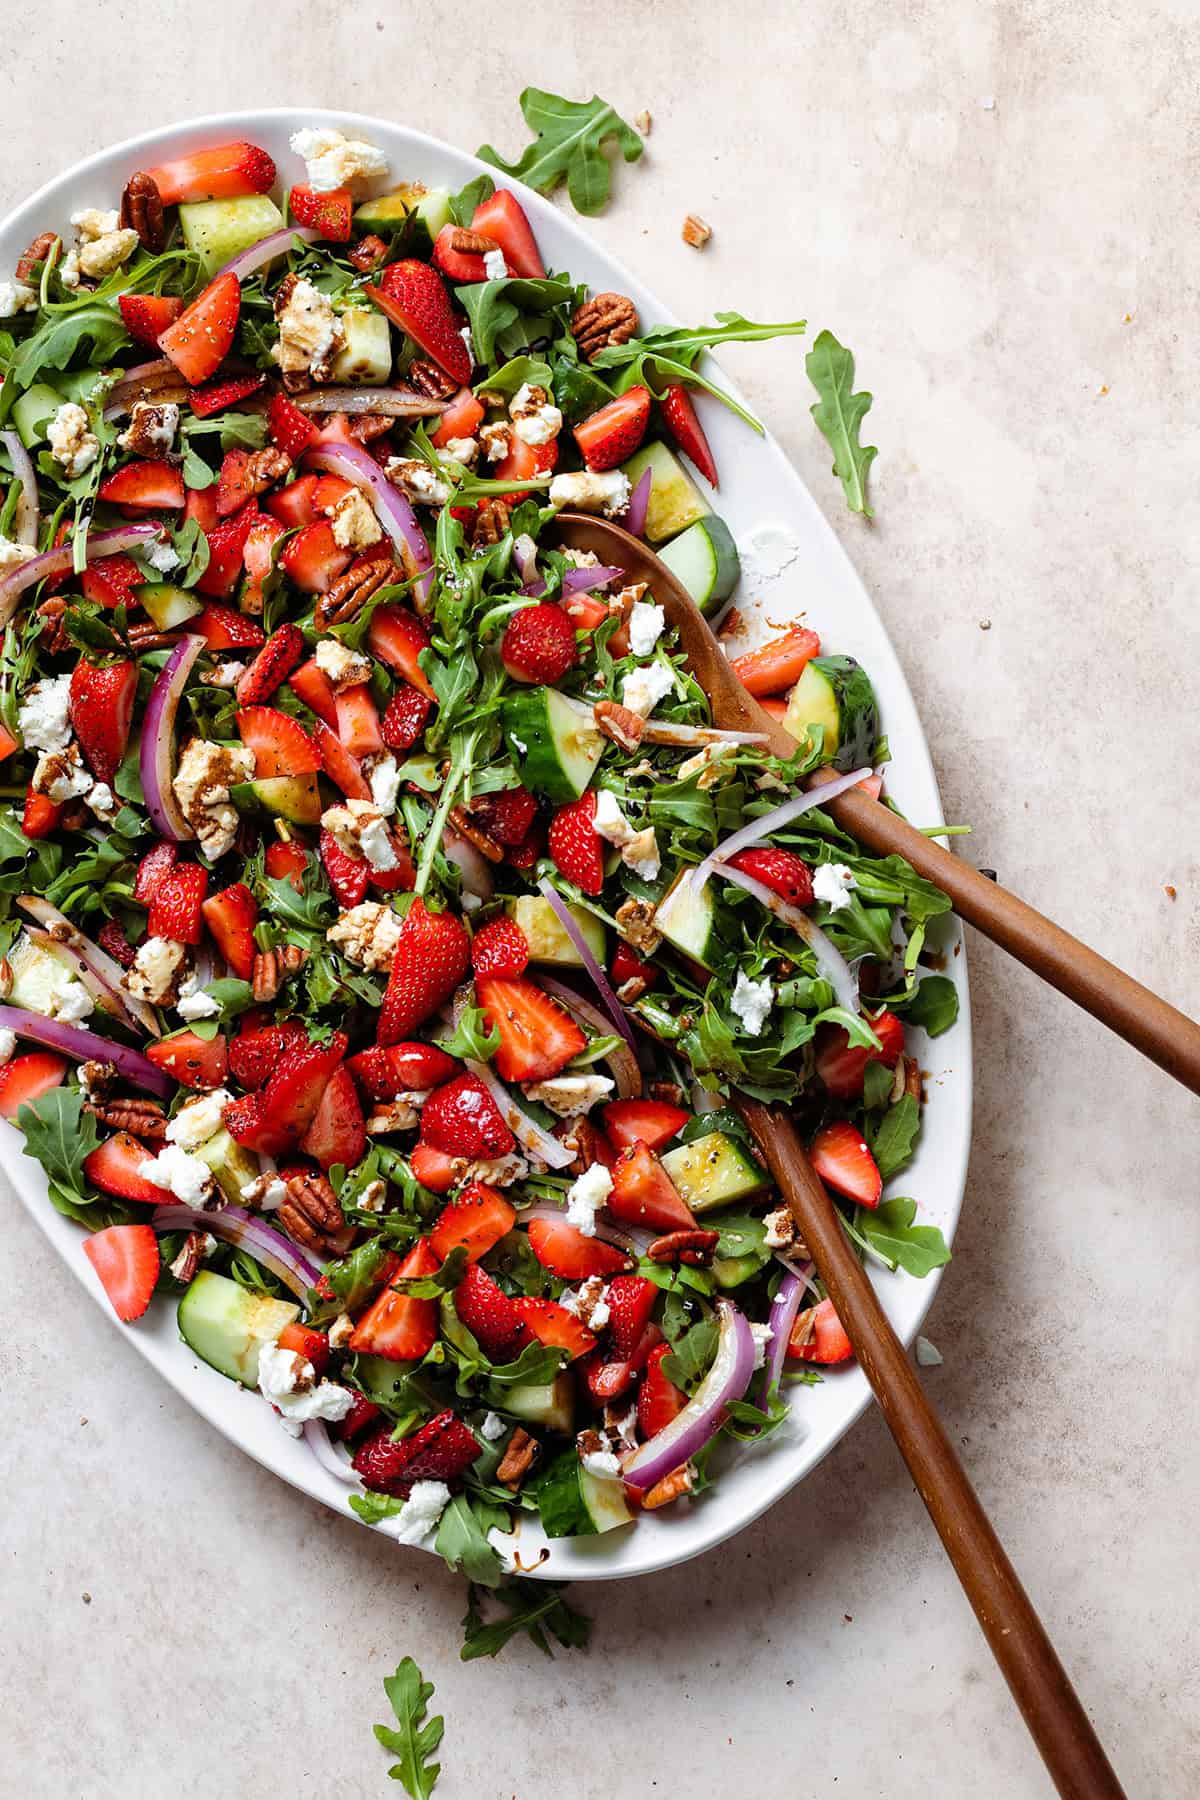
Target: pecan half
[
  {"x": 584, "y": 1138},
  {"x": 471, "y": 243},
  {"x": 312, "y": 1215},
  {"x": 187, "y": 1264},
  {"x": 491, "y": 521},
  {"x": 483, "y": 843},
  {"x": 668, "y": 1091},
  {"x": 619, "y": 724},
  {"x": 367, "y": 254},
  {"x": 142, "y": 211},
  {"x": 672, "y": 1487},
  {"x": 351, "y": 591},
  {"x": 145, "y": 635},
  {"x": 35, "y": 253},
  {"x": 428, "y": 379},
  {"x": 521, "y": 1452},
  {"x": 265, "y": 468},
  {"x": 693, "y": 1247},
  {"x": 603, "y": 320},
  {"x": 366, "y": 427},
  {"x": 53, "y": 637},
  {"x": 141, "y": 1118},
  {"x": 272, "y": 968}
]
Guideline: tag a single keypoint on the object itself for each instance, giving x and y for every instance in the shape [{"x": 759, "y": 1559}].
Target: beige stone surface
[{"x": 994, "y": 204}]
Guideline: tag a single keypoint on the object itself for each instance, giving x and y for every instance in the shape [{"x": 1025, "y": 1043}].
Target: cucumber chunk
[
  {"x": 227, "y": 1325},
  {"x": 712, "y": 1171},
  {"x": 33, "y": 411},
  {"x": 366, "y": 355},
  {"x": 232, "y": 1165},
  {"x": 705, "y": 559},
  {"x": 167, "y": 604},
  {"x": 555, "y": 748},
  {"x": 688, "y": 920},
  {"x": 675, "y": 500},
  {"x": 218, "y": 230},
  {"x": 731, "y": 1271},
  {"x": 573, "y": 1502},
  {"x": 835, "y": 692},
  {"x": 548, "y": 942},
  {"x": 430, "y": 207},
  {"x": 544, "y": 1403},
  {"x": 294, "y": 797}
]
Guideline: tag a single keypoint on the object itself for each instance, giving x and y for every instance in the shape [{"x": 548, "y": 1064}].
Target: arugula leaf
[
  {"x": 96, "y": 324},
  {"x": 462, "y": 1539},
  {"x": 515, "y": 373},
  {"x": 877, "y": 1085},
  {"x": 443, "y": 1281},
  {"x": 568, "y": 144},
  {"x": 310, "y": 910},
  {"x": 890, "y": 1232},
  {"x": 409, "y": 1694},
  {"x": 531, "y": 1605},
  {"x": 670, "y": 353},
  {"x": 463, "y": 204},
  {"x": 934, "y": 1006},
  {"x": 493, "y": 307},
  {"x": 839, "y": 414},
  {"x": 691, "y": 1356},
  {"x": 893, "y": 1138},
  {"x": 59, "y": 1134},
  {"x": 472, "y": 1037}
]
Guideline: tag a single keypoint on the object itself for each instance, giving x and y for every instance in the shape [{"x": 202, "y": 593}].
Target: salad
[{"x": 384, "y": 922}]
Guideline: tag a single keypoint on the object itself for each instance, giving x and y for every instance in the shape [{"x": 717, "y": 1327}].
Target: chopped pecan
[
  {"x": 672, "y": 1487},
  {"x": 731, "y": 624},
  {"x": 142, "y": 211},
  {"x": 366, "y": 427},
  {"x": 803, "y": 1330},
  {"x": 312, "y": 1215},
  {"x": 35, "y": 253},
  {"x": 912, "y": 1079},
  {"x": 635, "y": 922},
  {"x": 367, "y": 254},
  {"x": 141, "y": 1118},
  {"x": 471, "y": 243},
  {"x": 584, "y": 1138},
  {"x": 53, "y": 637},
  {"x": 187, "y": 1264},
  {"x": 520, "y": 1454},
  {"x": 603, "y": 320},
  {"x": 144, "y": 634},
  {"x": 272, "y": 968},
  {"x": 97, "y": 1078},
  {"x": 491, "y": 521},
  {"x": 428, "y": 379},
  {"x": 693, "y": 1247},
  {"x": 483, "y": 843},
  {"x": 620, "y": 724},
  {"x": 351, "y": 591},
  {"x": 695, "y": 231},
  {"x": 264, "y": 469},
  {"x": 668, "y": 1091}
]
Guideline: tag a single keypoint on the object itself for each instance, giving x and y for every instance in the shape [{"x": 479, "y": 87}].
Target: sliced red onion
[
  {"x": 235, "y": 1225},
  {"x": 622, "y": 1061},
  {"x": 582, "y": 581},
  {"x": 472, "y": 865},
  {"x": 527, "y": 1131},
  {"x": 639, "y": 505},
  {"x": 26, "y": 523},
  {"x": 334, "y": 1458},
  {"x": 390, "y": 402},
  {"x": 98, "y": 971},
  {"x": 662, "y": 731},
  {"x": 617, "y": 1235},
  {"x": 704, "y": 1413},
  {"x": 61, "y": 560},
  {"x": 759, "y": 830},
  {"x": 397, "y": 517},
  {"x": 159, "y": 381},
  {"x": 248, "y": 262},
  {"x": 82, "y": 1045},
  {"x": 784, "y": 1308},
  {"x": 612, "y": 1005},
  {"x": 704, "y": 1100},
  {"x": 831, "y": 964},
  {"x": 525, "y": 557},
  {"x": 157, "y": 755}
]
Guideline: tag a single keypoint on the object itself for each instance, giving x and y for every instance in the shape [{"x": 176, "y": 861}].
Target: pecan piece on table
[
  {"x": 428, "y": 379},
  {"x": 695, "y": 232},
  {"x": 520, "y": 1454},
  {"x": 35, "y": 253},
  {"x": 312, "y": 1215},
  {"x": 693, "y": 1247},
  {"x": 603, "y": 320},
  {"x": 142, "y": 211},
  {"x": 367, "y": 254},
  {"x": 351, "y": 591}
]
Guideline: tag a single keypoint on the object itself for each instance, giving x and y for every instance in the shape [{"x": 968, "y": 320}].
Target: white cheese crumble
[
  {"x": 367, "y": 935},
  {"x": 8, "y": 1043},
  {"x": 603, "y": 1463},
  {"x": 102, "y": 801},
  {"x": 60, "y": 774},
  {"x": 639, "y": 849},
  {"x": 332, "y": 160},
  {"x": 152, "y": 427},
  {"x": 196, "y": 1004},
  {"x": 43, "y": 719},
  {"x": 345, "y": 668},
  {"x": 289, "y": 1381},
  {"x": 156, "y": 968},
  {"x": 385, "y": 784},
  {"x": 751, "y": 1001},
  {"x": 181, "y": 1173},
  {"x": 420, "y": 1512},
  {"x": 646, "y": 625},
  {"x": 202, "y": 781},
  {"x": 762, "y": 1335},
  {"x": 310, "y": 332},
  {"x": 586, "y": 1196},
  {"x": 355, "y": 526},
  {"x": 418, "y": 480},
  {"x": 494, "y": 266},
  {"x": 104, "y": 244},
  {"x": 589, "y": 491},
  {"x": 643, "y": 688},
  {"x": 461, "y": 450},
  {"x": 832, "y": 883},
  {"x": 16, "y": 298},
  {"x": 535, "y": 418},
  {"x": 569, "y": 1095},
  {"x": 13, "y": 555},
  {"x": 493, "y": 1427},
  {"x": 72, "y": 441},
  {"x": 360, "y": 829},
  {"x": 164, "y": 557},
  {"x": 198, "y": 1120}
]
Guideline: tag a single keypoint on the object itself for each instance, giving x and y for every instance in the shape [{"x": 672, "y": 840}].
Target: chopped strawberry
[
  {"x": 651, "y": 1122},
  {"x": 429, "y": 961},
  {"x": 245, "y": 1121},
  {"x": 258, "y": 558},
  {"x": 358, "y": 721},
  {"x": 231, "y": 917},
  {"x": 226, "y": 551},
  {"x": 610, "y": 436},
  {"x": 314, "y": 559},
  {"x": 782, "y": 871},
  {"x": 567, "y": 1251},
  {"x": 476, "y": 1221},
  {"x": 502, "y": 218},
  {"x": 27, "y": 1078},
  {"x": 293, "y": 1094},
  {"x": 235, "y": 485},
  {"x": 115, "y": 1168},
  {"x": 487, "y": 1312},
  {"x": 500, "y": 948},
  {"x": 313, "y": 686},
  {"x": 457, "y": 265},
  {"x": 525, "y": 463},
  {"x": 404, "y": 720},
  {"x": 842, "y": 1065},
  {"x": 538, "y": 644},
  {"x": 112, "y": 940},
  {"x": 414, "y": 297},
  {"x": 287, "y": 862},
  {"x": 176, "y": 909},
  {"x": 330, "y": 215},
  {"x": 397, "y": 637},
  {"x": 819, "y": 1336},
  {"x": 659, "y": 1400},
  {"x": 272, "y": 666},
  {"x": 256, "y": 1052},
  {"x": 443, "y": 1450},
  {"x": 110, "y": 581},
  {"x": 679, "y": 415},
  {"x": 552, "y": 1324},
  {"x": 147, "y": 484},
  {"x": 586, "y": 611},
  {"x": 195, "y": 1062},
  {"x": 201, "y": 504},
  {"x": 307, "y": 1342},
  {"x": 40, "y": 816},
  {"x": 364, "y": 1412},
  {"x": 221, "y": 173},
  {"x": 461, "y": 419},
  {"x": 126, "y": 1259},
  {"x": 348, "y": 875},
  {"x": 280, "y": 743},
  {"x": 398, "y": 1326},
  {"x": 289, "y": 429},
  {"x": 576, "y": 847},
  {"x": 507, "y": 815},
  {"x": 202, "y": 337},
  {"x": 434, "y": 1169},
  {"x": 628, "y": 967},
  {"x": 630, "y": 1300},
  {"x": 224, "y": 628},
  {"x": 537, "y": 1037},
  {"x": 338, "y": 764},
  {"x": 779, "y": 664},
  {"x": 644, "y": 1194},
  {"x": 101, "y": 707},
  {"x": 146, "y": 316},
  {"x": 216, "y": 396},
  {"x": 337, "y": 1133},
  {"x": 386, "y": 1070},
  {"x": 294, "y": 504},
  {"x": 842, "y": 1159},
  {"x": 463, "y": 1119},
  {"x": 610, "y": 1377}
]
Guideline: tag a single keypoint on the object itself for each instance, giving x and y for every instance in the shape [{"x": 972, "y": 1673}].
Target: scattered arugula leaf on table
[
  {"x": 839, "y": 413},
  {"x": 536, "y": 1607},
  {"x": 569, "y": 145},
  {"x": 409, "y": 1694}
]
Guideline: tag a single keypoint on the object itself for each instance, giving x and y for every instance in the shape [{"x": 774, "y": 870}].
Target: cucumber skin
[
  {"x": 219, "y": 230},
  {"x": 707, "y": 1188},
  {"x": 214, "y": 1307},
  {"x": 709, "y": 537},
  {"x": 675, "y": 501},
  {"x": 859, "y": 714},
  {"x": 529, "y": 729},
  {"x": 560, "y": 1499}
]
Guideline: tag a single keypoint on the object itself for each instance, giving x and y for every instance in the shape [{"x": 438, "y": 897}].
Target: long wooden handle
[{"x": 1040, "y": 1685}]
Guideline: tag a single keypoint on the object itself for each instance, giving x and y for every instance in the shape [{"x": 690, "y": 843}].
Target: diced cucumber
[
  {"x": 367, "y": 353},
  {"x": 603, "y": 1499},
  {"x": 705, "y": 559},
  {"x": 712, "y": 1171},
  {"x": 835, "y": 692},
  {"x": 549, "y": 1403},
  {"x": 232, "y": 1166},
  {"x": 574, "y": 1503},
  {"x": 40, "y": 979},
  {"x": 548, "y": 942},
  {"x": 227, "y": 1324},
  {"x": 675, "y": 500},
  {"x": 688, "y": 919},
  {"x": 294, "y": 797},
  {"x": 731, "y": 1271},
  {"x": 218, "y": 230},
  {"x": 430, "y": 205},
  {"x": 167, "y": 604},
  {"x": 32, "y": 412},
  {"x": 555, "y": 748}
]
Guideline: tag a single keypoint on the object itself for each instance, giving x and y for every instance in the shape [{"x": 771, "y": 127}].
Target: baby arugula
[
  {"x": 414, "y": 1743},
  {"x": 839, "y": 413},
  {"x": 569, "y": 145}
]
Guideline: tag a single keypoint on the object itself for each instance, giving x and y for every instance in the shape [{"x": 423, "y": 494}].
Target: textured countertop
[{"x": 990, "y": 204}]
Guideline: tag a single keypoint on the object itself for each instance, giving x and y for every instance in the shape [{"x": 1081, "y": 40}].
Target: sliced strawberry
[
  {"x": 659, "y": 1400},
  {"x": 364, "y": 1412},
  {"x": 294, "y": 504},
  {"x": 272, "y": 666},
  {"x": 575, "y": 846},
  {"x": 457, "y": 265},
  {"x": 434, "y": 1169},
  {"x": 610, "y": 436},
  {"x": 500, "y": 948},
  {"x": 289, "y": 429},
  {"x": 358, "y": 721},
  {"x": 221, "y": 173},
  {"x": 779, "y": 664},
  {"x": 337, "y": 1133},
  {"x": 610, "y": 1377},
  {"x": 115, "y": 1168},
  {"x": 397, "y": 637},
  {"x": 586, "y": 611},
  {"x": 552, "y": 1324},
  {"x": 156, "y": 864},
  {"x": 314, "y": 559},
  {"x": 217, "y": 396},
  {"x": 782, "y": 871},
  {"x": 287, "y": 862},
  {"x": 507, "y": 815},
  {"x": 842, "y": 1159},
  {"x": 487, "y": 1312},
  {"x": 842, "y": 1065},
  {"x": 293, "y": 1094},
  {"x": 414, "y": 297},
  {"x": 226, "y": 551},
  {"x": 110, "y": 581},
  {"x": 101, "y": 707},
  {"x": 258, "y": 558},
  {"x": 679, "y": 415},
  {"x": 201, "y": 504},
  {"x": 348, "y": 875},
  {"x": 126, "y": 1259},
  {"x": 330, "y": 215},
  {"x": 195, "y": 1062},
  {"x": 202, "y": 337},
  {"x": 146, "y": 316},
  {"x": 628, "y": 967},
  {"x": 429, "y": 961},
  {"x": 630, "y": 1300},
  {"x": 40, "y": 816},
  {"x": 525, "y": 462},
  {"x": 477, "y": 1221},
  {"x": 176, "y": 909},
  {"x": 338, "y": 764},
  {"x": 652, "y": 1122},
  {"x": 112, "y": 940},
  {"x": 398, "y": 1326},
  {"x": 385, "y": 1071},
  {"x": 644, "y": 1194},
  {"x": 224, "y": 628},
  {"x": 235, "y": 484},
  {"x": 461, "y": 419},
  {"x": 404, "y": 720},
  {"x": 502, "y": 218},
  {"x": 280, "y": 743},
  {"x": 314, "y": 687},
  {"x": 443, "y": 1450},
  {"x": 256, "y": 1052},
  {"x": 819, "y": 1336},
  {"x": 538, "y": 644},
  {"x": 148, "y": 484},
  {"x": 537, "y": 1037},
  {"x": 566, "y": 1251},
  {"x": 245, "y": 1121},
  {"x": 463, "y": 1119},
  {"x": 305, "y": 1341},
  {"x": 231, "y": 917},
  {"x": 27, "y": 1078}
]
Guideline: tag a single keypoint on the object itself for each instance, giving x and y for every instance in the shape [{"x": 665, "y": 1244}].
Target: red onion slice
[
  {"x": 100, "y": 975},
  {"x": 333, "y": 1458},
  {"x": 582, "y": 581},
  {"x": 831, "y": 964},
  {"x": 472, "y": 865},
  {"x": 612, "y": 1005},
  {"x": 61, "y": 561},
  {"x": 704, "y": 1413},
  {"x": 391, "y": 402},
  {"x": 527, "y": 1131},
  {"x": 784, "y": 1308},
  {"x": 159, "y": 381},
  {"x": 759, "y": 830},
  {"x": 26, "y": 524},
  {"x": 157, "y": 755},
  {"x": 248, "y": 262},
  {"x": 397, "y": 517},
  {"x": 662, "y": 731},
  {"x": 622, "y": 1061},
  {"x": 82, "y": 1045},
  {"x": 639, "y": 505},
  {"x": 236, "y": 1226}
]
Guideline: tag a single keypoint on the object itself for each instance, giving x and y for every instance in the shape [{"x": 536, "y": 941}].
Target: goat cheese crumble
[
  {"x": 586, "y": 1196},
  {"x": 751, "y": 1001},
  {"x": 832, "y": 883}
]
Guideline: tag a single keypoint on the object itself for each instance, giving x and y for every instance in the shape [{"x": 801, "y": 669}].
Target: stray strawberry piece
[
  {"x": 430, "y": 959},
  {"x": 289, "y": 429},
  {"x": 399, "y": 1326},
  {"x": 231, "y": 917},
  {"x": 358, "y": 721},
  {"x": 397, "y": 637},
  {"x": 567, "y": 1251},
  {"x": 195, "y": 1062},
  {"x": 226, "y": 549},
  {"x": 476, "y": 1221},
  {"x": 779, "y": 664},
  {"x": 330, "y": 215},
  {"x": 537, "y": 1037},
  {"x": 659, "y": 1400},
  {"x": 217, "y": 396},
  {"x": 148, "y": 484},
  {"x": 404, "y": 720},
  {"x": 287, "y": 862},
  {"x": 628, "y": 967},
  {"x": 307, "y": 1342},
  {"x": 679, "y": 415},
  {"x": 487, "y": 1312},
  {"x": 338, "y": 1133},
  {"x": 414, "y": 297},
  {"x": 337, "y": 762},
  {"x": 443, "y": 1450},
  {"x": 280, "y": 743},
  {"x": 552, "y": 1324},
  {"x": 115, "y": 1168},
  {"x": 819, "y": 1336},
  {"x": 222, "y": 173},
  {"x": 235, "y": 487},
  {"x": 201, "y": 504},
  {"x": 461, "y": 419},
  {"x": 202, "y": 337},
  {"x": 644, "y": 1194},
  {"x": 842, "y": 1065},
  {"x": 463, "y": 1119},
  {"x": 224, "y": 628},
  {"x": 610, "y": 436},
  {"x": 101, "y": 708},
  {"x": 500, "y": 948},
  {"x": 40, "y": 816},
  {"x": 26, "y": 1078},
  {"x": 502, "y": 218},
  {"x": 112, "y": 940},
  {"x": 782, "y": 871},
  {"x": 651, "y": 1122},
  {"x": 457, "y": 265},
  {"x": 126, "y": 1259},
  {"x": 842, "y": 1159},
  {"x": 146, "y": 316},
  {"x": 258, "y": 558},
  {"x": 273, "y": 664},
  {"x": 150, "y": 871},
  {"x": 525, "y": 463},
  {"x": 538, "y": 644},
  {"x": 575, "y": 846},
  {"x": 384, "y": 1071}
]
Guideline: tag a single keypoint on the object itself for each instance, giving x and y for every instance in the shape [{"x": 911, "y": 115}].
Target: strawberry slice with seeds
[
  {"x": 679, "y": 416},
  {"x": 224, "y": 628},
  {"x": 257, "y": 1050},
  {"x": 245, "y": 1121},
  {"x": 112, "y": 940},
  {"x": 280, "y": 743},
  {"x": 457, "y": 265},
  {"x": 176, "y": 910},
  {"x": 231, "y": 917},
  {"x": 148, "y": 484},
  {"x": 782, "y": 871},
  {"x": 293, "y": 1094},
  {"x": 147, "y": 316},
  {"x": 818, "y": 1336},
  {"x": 461, "y": 419},
  {"x": 201, "y": 504},
  {"x": 338, "y": 1133},
  {"x": 414, "y": 297},
  {"x": 195, "y": 1062},
  {"x": 399, "y": 1326},
  {"x": 397, "y": 637},
  {"x": 430, "y": 959},
  {"x": 287, "y": 862},
  {"x": 313, "y": 686},
  {"x": 659, "y": 1400},
  {"x": 476, "y": 1222},
  {"x": 843, "y": 1160},
  {"x": 331, "y": 214},
  {"x": 443, "y": 1450},
  {"x": 610, "y": 436},
  {"x": 537, "y": 1037},
  {"x": 842, "y": 1065},
  {"x": 272, "y": 666},
  {"x": 502, "y": 218},
  {"x": 553, "y": 1325},
  {"x": 101, "y": 708},
  {"x": 487, "y": 1312},
  {"x": 630, "y": 1300},
  {"x": 434, "y": 1169},
  {"x": 235, "y": 485},
  {"x": 386, "y": 1070},
  {"x": 538, "y": 644},
  {"x": 216, "y": 396},
  {"x": 294, "y": 504},
  {"x": 110, "y": 581},
  {"x": 575, "y": 846},
  {"x": 202, "y": 336},
  {"x": 40, "y": 816},
  {"x": 258, "y": 558},
  {"x": 289, "y": 429},
  {"x": 652, "y": 1122},
  {"x": 221, "y": 173},
  {"x": 364, "y": 1412},
  {"x": 628, "y": 967},
  {"x": 115, "y": 1168},
  {"x": 348, "y": 875},
  {"x": 500, "y": 948},
  {"x": 644, "y": 1194},
  {"x": 404, "y": 720},
  {"x": 358, "y": 721},
  {"x": 26, "y": 1078},
  {"x": 226, "y": 550},
  {"x": 126, "y": 1259},
  {"x": 507, "y": 815},
  {"x": 306, "y": 1341},
  {"x": 779, "y": 664},
  {"x": 463, "y": 1119},
  {"x": 342, "y": 768},
  {"x": 567, "y": 1251},
  {"x": 314, "y": 559}
]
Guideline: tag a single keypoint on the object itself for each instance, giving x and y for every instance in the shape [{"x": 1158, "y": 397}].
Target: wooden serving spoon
[
  {"x": 1040, "y": 1685},
  {"x": 1159, "y": 1030}
]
